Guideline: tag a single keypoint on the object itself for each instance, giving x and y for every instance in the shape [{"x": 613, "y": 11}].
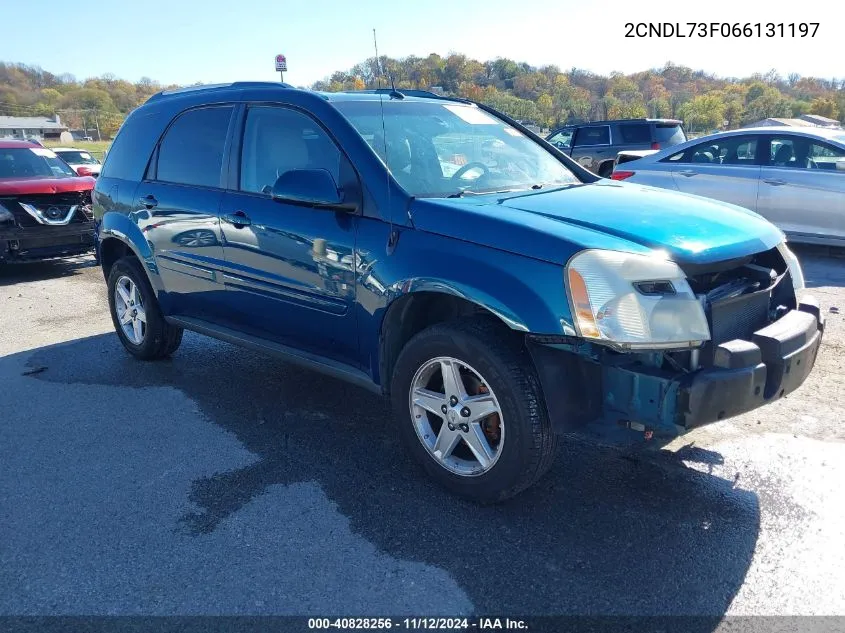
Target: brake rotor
[{"x": 492, "y": 424}]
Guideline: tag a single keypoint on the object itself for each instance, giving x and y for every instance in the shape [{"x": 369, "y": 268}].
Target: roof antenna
[{"x": 393, "y": 236}]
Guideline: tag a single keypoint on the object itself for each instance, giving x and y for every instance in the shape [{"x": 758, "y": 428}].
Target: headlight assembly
[{"x": 634, "y": 301}]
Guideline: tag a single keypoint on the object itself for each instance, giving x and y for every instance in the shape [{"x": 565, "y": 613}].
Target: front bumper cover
[
  {"x": 45, "y": 242},
  {"x": 745, "y": 375}
]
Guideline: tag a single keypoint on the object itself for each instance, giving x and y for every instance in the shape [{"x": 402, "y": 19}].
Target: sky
[{"x": 212, "y": 41}]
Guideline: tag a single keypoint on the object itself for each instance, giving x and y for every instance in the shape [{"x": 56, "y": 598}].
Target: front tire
[
  {"x": 136, "y": 315},
  {"x": 470, "y": 410}
]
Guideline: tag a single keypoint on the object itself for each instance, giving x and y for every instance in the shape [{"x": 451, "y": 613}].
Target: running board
[{"x": 334, "y": 369}]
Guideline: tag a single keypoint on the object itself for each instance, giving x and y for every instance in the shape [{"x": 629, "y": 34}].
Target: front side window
[
  {"x": 277, "y": 140},
  {"x": 561, "y": 138},
  {"x": 799, "y": 152},
  {"x": 32, "y": 162},
  {"x": 731, "y": 150},
  {"x": 442, "y": 149},
  {"x": 191, "y": 152},
  {"x": 595, "y": 135}
]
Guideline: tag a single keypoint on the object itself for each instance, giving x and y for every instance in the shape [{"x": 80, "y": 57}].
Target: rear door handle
[
  {"x": 774, "y": 181},
  {"x": 149, "y": 202},
  {"x": 237, "y": 219},
  {"x": 688, "y": 172}
]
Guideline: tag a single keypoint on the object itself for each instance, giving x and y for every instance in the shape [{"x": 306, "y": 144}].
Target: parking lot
[{"x": 225, "y": 482}]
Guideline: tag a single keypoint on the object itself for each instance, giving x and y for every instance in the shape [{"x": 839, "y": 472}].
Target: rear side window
[
  {"x": 668, "y": 135},
  {"x": 634, "y": 133},
  {"x": 730, "y": 150},
  {"x": 191, "y": 152},
  {"x": 595, "y": 135}
]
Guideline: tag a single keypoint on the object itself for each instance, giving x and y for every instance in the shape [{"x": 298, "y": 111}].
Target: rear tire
[
  {"x": 136, "y": 315},
  {"x": 492, "y": 362}
]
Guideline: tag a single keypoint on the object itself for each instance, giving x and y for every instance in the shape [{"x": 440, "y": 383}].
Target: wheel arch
[
  {"x": 118, "y": 236},
  {"x": 430, "y": 301}
]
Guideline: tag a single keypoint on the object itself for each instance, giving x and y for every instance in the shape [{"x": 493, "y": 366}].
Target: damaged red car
[{"x": 45, "y": 207}]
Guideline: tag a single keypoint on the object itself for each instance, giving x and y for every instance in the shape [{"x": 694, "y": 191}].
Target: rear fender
[{"x": 119, "y": 226}]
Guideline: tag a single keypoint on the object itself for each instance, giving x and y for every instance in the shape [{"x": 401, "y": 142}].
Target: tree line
[
  {"x": 101, "y": 101},
  {"x": 546, "y": 96}
]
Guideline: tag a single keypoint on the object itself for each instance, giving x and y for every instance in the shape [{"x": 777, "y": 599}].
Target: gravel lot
[{"x": 225, "y": 482}]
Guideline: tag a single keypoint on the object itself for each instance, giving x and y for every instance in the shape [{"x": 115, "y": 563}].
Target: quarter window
[
  {"x": 595, "y": 135},
  {"x": 277, "y": 140},
  {"x": 634, "y": 133},
  {"x": 191, "y": 152}
]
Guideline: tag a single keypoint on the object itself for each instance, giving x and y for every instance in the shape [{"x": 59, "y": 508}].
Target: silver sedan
[{"x": 794, "y": 177}]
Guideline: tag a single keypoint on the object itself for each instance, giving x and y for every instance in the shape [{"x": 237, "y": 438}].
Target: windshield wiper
[{"x": 465, "y": 192}]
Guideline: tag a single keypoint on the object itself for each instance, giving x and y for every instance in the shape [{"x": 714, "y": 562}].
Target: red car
[{"x": 45, "y": 207}]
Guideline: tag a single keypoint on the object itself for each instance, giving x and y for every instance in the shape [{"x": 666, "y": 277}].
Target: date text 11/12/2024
[
  {"x": 441, "y": 624},
  {"x": 721, "y": 29}
]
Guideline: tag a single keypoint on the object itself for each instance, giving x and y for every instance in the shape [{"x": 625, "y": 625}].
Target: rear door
[
  {"x": 591, "y": 145},
  {"x": 177, "y": 209},
  {"x": 802, "y": 187},
  {"x": 723, "y": 168}
]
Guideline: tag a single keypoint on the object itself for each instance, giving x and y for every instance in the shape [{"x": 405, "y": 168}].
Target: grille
[{"x": 63, "y": 201}]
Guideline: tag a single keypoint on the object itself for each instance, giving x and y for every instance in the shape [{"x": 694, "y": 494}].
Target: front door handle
[
  {"x": 149, "y": 201},
  {"x": 688, "y": 172},
  {"x": 774, "y": 181},
  {"x": 237, "y": 219}
]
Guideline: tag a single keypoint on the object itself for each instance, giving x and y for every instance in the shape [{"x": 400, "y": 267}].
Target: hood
[
  {"x": 554, "y": 224},
  {"x": 22, "y": 186}
]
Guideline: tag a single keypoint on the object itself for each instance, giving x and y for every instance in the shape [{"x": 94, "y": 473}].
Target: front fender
[{"x": 120, "y": 226}]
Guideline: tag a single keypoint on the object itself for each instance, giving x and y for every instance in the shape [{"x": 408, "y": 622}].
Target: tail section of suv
[
  {"x": 439, "y": 253},
  {"x": 596, "y": 145}
]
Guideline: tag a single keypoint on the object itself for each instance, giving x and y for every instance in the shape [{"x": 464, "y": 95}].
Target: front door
[
  {"x": 290, "y": 269},
  {"x": 802, "y": 188}
]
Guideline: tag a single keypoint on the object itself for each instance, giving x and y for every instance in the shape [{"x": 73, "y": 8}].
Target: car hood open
[{"x": 554, "y": 224}]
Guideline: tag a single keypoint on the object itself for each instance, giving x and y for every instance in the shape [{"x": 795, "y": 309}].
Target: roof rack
[
  {"x": 408, "y": 92},
  {"x": 234, "y": 84}
]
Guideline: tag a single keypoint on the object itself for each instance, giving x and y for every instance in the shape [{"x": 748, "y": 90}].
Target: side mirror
[{"x": 310, "y": 187}]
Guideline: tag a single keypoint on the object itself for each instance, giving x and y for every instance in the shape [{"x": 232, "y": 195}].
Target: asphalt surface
[{"x": 225, "y": 482}]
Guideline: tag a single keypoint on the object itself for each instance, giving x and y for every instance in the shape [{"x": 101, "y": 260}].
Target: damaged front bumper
[
  {"x": 45, "y": 242},
  {"x": 744, "y": 375}
]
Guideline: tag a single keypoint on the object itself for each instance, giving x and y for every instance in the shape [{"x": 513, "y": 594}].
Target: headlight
[
  {"x": 5, "y": 214},
  {"x": 793, "y": 266},
  {"x": 634, "y": 301}
]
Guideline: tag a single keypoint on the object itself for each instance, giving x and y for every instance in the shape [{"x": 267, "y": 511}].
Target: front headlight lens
[
  {"x": 793, "y": 266},
  {"x": 634, "y": 300}
]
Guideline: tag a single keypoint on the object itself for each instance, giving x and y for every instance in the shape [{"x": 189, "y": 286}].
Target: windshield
[
  {"x": 32, "y": 162},
  {"x": 450, "y": 149},
  {"x": 77, "y": 157}
]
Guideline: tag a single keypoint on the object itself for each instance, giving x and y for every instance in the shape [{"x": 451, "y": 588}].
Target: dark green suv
[{"x": 595, "y": 145}]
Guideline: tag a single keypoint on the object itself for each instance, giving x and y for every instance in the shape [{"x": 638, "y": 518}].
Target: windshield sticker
[
  {"x": 476, "y": 116},
  {"x": 85, "y": 155},
  {"x": 42, "y": 151}
]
